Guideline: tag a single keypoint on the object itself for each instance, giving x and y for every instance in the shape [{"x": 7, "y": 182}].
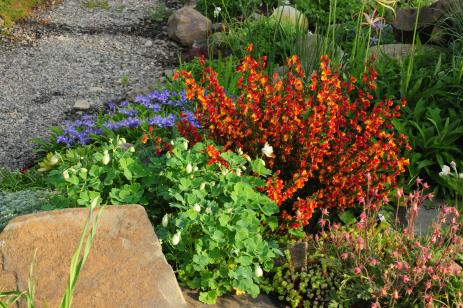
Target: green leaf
[
  {"x": 244, "y": 260},
  {"x": 347, "y": 217},
  {"x": 273, "y": 223},
  {"x": 209, "y": 297},
  {"x": 259, "y": 168}
]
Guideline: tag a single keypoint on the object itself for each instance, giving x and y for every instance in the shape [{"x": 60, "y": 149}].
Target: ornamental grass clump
[{"x": 326, "y": 134}]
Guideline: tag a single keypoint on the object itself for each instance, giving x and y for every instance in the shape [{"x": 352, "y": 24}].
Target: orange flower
[{"x": 325, "y": 137}]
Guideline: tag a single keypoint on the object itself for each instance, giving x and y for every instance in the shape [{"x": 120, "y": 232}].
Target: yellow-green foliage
[{"x": 13, "y": 10}]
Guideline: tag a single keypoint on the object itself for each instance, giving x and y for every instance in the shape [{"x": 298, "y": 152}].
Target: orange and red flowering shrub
[{"x": 327, "y": 133}]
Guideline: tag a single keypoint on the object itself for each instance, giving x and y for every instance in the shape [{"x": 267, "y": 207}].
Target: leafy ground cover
[{"x": 239, "y": 157}]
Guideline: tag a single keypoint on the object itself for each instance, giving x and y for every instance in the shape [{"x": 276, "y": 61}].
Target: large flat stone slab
[{"x": 125, "y": 268}]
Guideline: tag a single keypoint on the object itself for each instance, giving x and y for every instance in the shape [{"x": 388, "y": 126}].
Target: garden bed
[{"x": 286, "y": 162}]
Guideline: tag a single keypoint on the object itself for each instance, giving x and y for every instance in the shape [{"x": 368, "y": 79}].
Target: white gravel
[{"x": 81, "y": 54}]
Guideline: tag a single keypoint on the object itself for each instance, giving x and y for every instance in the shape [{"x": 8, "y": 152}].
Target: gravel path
[{"x": 77, "y": 54}]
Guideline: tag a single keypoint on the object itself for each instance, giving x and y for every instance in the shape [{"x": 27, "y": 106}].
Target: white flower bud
[
  {"x": 208, "y": 210},
  {"x": 185, "y": 144},
  {"x": 165, "y": 220},
  {"x": 189, "y": 168},
  {"x": 176, "y": 238},
  {"x": 453, "y": 165},
  {"x": 94, "y": 203},
  {"x": 247, "y": 157},
  {"x": 106, "y": 157},
  {"x": 460, "y": 175},
  {"x": 262, "y": 161},
  {"x": 259, "y": 272},
  {"x": 132, "y": 149},
  {"x": 54, "y": 160},
  {"x": 238, "y": 172},
  {"x": 202, "y": 186},
  {"x": 65, "y": 174},
  {"x": 197, "y": 208},
  {"x": 239, "y": 151},
  {"x": 121, "y": 141},
  {"x": 83, "y": 170},
  {"x": 168, "y": 155},
  {"x": 195, "y": 168}
]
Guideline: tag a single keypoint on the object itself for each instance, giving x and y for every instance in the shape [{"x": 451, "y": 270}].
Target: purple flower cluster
[
  {"x": 127, "y": 123},
  {"x": 162, "y": 122},
  {"x": 79, "y": 132},
  {"x": 190, "y": 117},
  {"x": 144, "y": 109}
]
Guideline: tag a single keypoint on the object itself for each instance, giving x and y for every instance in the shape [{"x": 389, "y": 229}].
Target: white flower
[
  {"x": 267, "y": 150},
  {"x": 176, "y": 238},
  {"x": 381, "y": 217},
  {"x": 185, "y": 144},
  {"x": 238, "y": 172},
  {"x": 248, "y": 158},
  {"x": 132, "y": 149},
  {"x": 259, "y": 272},
  {"x": 54, "y": 160},
  {"x": 121, "y": 141},
  {"x": 65, "y": 174},
  {"x": 106, "y": 158},
  {"x": 165, "y": 220},
  {"x": 172, "y": 142},
  {"x": 208, "y": 210},
  {"x": 239, "y": 151},
  {"x": 189, "y": 168},
  {"x": 94, "y": 203},
  {"x": 195, "y": 168},
  {"x": 197, "y": 208},
  {"x": 445, "y": 170},
  {"x": 202, "y": 186},
  {"x": 217, "y": 11},
  {"x": 453, "y": 165}
]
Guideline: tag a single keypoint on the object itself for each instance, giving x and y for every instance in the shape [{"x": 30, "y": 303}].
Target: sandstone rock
[
  {"x": 289, "y": 15},
  {"x": 398, "y": 51},
  {"x": 125, "y": 268},
  {"x": 406, "y": 18},
  {"x": 82, "y": 105},
  {"x": 298, "y": 253},
  {"x": 187, "y": 25}
]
